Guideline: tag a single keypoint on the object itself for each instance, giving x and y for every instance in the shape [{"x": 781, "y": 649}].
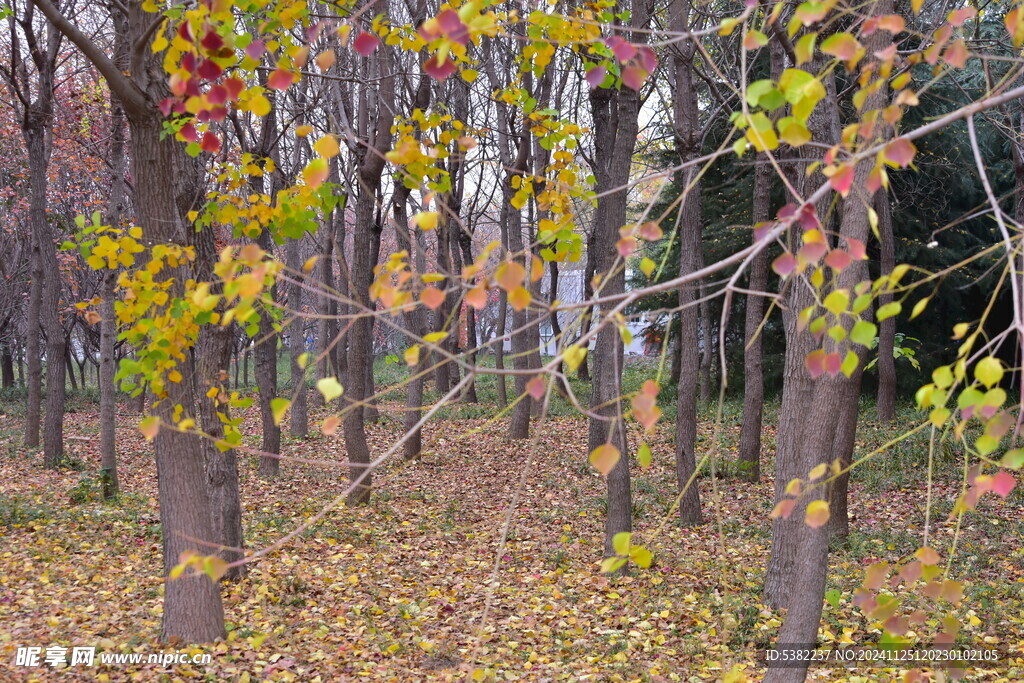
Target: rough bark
[
  {"x": 822, "y": 435},
  {"x": 360, "y": 347},
  {"x": 797, "y": 385},
  {"x": 886, "y": 328},
  {"x": 33, "y": 350},
  {"x": 299, "y": 419},
  {"x": 192, "y": 609},
  {"x": 615, "y": 115},
  {"x": 749, "y": 460},
  {"x": 687, "y": 131}
]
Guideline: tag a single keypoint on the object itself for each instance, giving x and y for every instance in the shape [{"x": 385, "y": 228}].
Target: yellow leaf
[
  {"x": 604, "y": 457},
  {"x": 327, "y": 146},
  {"x": 519, "y": 298},
  {"x": 310, "y": 262},
  {"x": 817, "y": 514},
  {"x": 434, "y": 337},
  {"x": 426, "y": 220},
  {"x": 259, "y": 105},
  {"x": 149, "y": 426},
  {"x": 412, "y": 355},
  {"x": 303, "y": 131},
  {"x": 573, "y": 356},
  {"x": 330, "y": 387},
  {"x": 469, "y": 75}
]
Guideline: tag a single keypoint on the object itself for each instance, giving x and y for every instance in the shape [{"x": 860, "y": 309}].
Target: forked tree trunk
[
  {"x": 615, "y": 114},
  {"x": 797, "y": 385},
  {"x": 823, "y": 433}
]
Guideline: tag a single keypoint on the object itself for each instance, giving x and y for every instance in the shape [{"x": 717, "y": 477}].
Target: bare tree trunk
[
  {"x": 360, "y": 347},
  {"x": 707, "y": 348},
  {"x": 615, "y": 114},
  {"x": 56, "y": 342},
  {"x": 691, "y": 250},
  {"x": 33, "y": 349},
  {"x": 499, "y": 351},
  {"x": 296, "y": 342},
  {"x": 887, "y": 327},
  {"x": 749, "y": 460}
]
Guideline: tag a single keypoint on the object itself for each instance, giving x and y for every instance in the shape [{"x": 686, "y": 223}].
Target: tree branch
[{"x": 134, "y": 100}]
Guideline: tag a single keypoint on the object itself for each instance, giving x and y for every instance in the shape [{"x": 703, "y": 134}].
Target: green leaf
[
  {"x": 988, "y": 371},
  {"x": 643, "y": 455},
  {"x": 832, "y": 598},
  {"x": 864, "y": 333},
  {"x": 889, "y": 310}
]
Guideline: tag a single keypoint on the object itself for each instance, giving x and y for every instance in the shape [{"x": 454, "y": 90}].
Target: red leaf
[
  {"x": 281, "y": 79},
  {"x": 841, "y": 179},
  {"x": 621, "y": 48},
  {"x": 212, "y": 42},
  {"x": 166, "y": 105},
  {"x": 784, "y": 264},
  {"x": 211, "y": 143},
  {"x": 218, "y": 113},
  {"x": 536, "y": 388},
  {"x": 185, "y": 32},
  {"x": 438, "y": 71},
  {"x": 837, "y": 259},
  {"x": 234, "y": 86},
  {"x": 210, "y": 70},
  {"x": 188, "y": 62},
  {"x": 626, "y": 246},
  {"x": 366, "y": 44},
  {"x": 900, "y": 152},
  {"x": 188, "y": 133},
  {"x": 1003, "y": 483},
  {"x": 809, "y": 217},
  {"x": 255, "y": 49},
  {"x": 856, "y": 248},
  {"x": 218, "y": 94},
  {"x": 633, "y": 77},
  {"x": 815, "y": 363},
  {"x": 833, "y": 364},
  {"x": 812, "y": 252},
  {"x": 596, "y": 76},
  {"x": 648, "y": 60}
]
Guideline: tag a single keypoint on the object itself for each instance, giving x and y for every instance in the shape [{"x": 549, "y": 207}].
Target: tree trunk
[
  {"x": 688, "y": 135},
  {"x": 364, "y": 251},
  {"x": 108, "y": 390},
  {"x": 56, "y": 343},
  {"x": 296, "y": 342},
  {"x": 749, "y": 460},
  {"x": 499, "y": 351},
  {"x": 886, "y": 328},
  {"x": 823, "y": 433},
  {"x": 615, "y": 114},
  {"x": 33, "y": 350},
  {"x": 797, "y": 385}
]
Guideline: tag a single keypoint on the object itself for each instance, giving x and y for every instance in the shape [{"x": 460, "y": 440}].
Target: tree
[{"x": 192, "y": 606}]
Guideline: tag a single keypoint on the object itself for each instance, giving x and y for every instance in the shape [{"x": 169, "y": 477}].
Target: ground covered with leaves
[{"x": 429, "y": 582}]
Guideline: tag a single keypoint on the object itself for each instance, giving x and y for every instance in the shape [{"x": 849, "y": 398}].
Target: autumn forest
[{"x": 617, "y": 340}]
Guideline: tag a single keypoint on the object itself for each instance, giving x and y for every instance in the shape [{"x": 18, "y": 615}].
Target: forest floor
[{"x": 405, "y": 589}]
